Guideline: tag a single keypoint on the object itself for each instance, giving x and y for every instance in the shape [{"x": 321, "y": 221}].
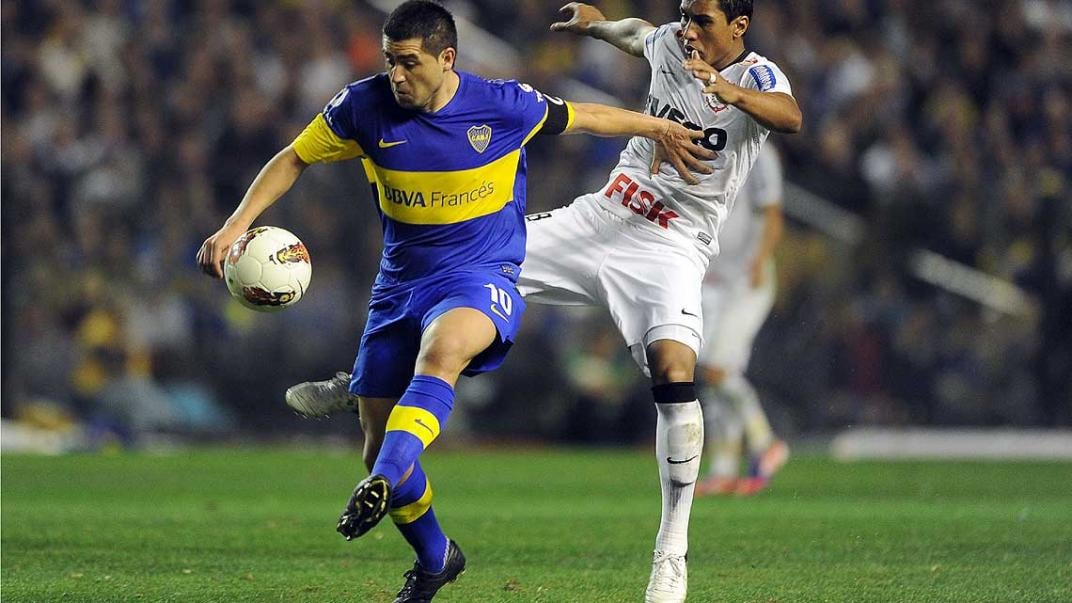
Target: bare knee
[
  {"x": 671, "y": 362},
  {"x": 442, "y": 357}
]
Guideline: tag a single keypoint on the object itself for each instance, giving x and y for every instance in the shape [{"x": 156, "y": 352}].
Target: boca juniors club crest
[{"x": 480, "y": 137}]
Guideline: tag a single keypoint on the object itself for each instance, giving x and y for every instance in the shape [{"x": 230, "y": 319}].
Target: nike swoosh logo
[
  {"x": 387, "y": 145},
  {"x": 499, "y": 313},
  {"x": 421, "y": 423},
  {"x": 687, "y": 313},
  {"x": 673, "y": 462}
]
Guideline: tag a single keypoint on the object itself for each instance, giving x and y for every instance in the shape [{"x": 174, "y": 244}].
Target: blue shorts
[{"x": 398, "y": 318}]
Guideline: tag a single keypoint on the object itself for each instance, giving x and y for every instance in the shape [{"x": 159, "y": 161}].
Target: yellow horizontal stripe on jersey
[
  {"x": 415, "y": 421},
  {"x": 319, "y": 144},
  {"x": 446, "y": 197},
  {"x": 414, "y": 510}
]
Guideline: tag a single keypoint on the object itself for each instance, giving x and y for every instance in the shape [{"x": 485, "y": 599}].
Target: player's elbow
[{"x": 793, "y": 122}]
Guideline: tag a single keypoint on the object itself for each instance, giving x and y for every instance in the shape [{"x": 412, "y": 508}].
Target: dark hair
[
  {"x": 736, "y": 8},
  {"x": 423, "y": 19}
]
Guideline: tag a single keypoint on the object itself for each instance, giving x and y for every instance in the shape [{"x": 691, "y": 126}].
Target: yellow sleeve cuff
[{"x": 319, "y": 144}]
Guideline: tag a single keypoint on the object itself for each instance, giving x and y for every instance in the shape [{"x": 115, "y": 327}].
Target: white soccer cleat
[
  {"x": 669, "y": 579},
  {"x": 314, "y": 399}
]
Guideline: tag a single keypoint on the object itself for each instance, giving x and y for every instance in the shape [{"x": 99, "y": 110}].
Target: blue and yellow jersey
[{"x": 449, "y": 186}]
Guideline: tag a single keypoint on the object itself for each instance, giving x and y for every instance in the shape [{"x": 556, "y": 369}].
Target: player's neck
[
  {"x": 735, "y": 54},
  {"x": 445, "y": 93}
]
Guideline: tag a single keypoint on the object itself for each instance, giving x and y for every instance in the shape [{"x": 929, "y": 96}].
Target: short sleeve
[
  {"x": 766, "y": 77},
  {"x": 528, "y": 106},
  {"x": 332, "y": 135},
  {"x": 318, "y": 143},
  {"x": 339, "y": 114},
  {"x": 655, "y": 37}
]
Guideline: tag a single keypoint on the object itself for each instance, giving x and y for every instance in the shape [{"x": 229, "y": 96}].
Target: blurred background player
[
  {"x": 445, "y": 151},
  {"x": 738, "y": 293}
]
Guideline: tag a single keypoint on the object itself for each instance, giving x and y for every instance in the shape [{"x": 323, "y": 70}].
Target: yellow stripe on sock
[
  {"x": 414, "y": 510},
  {"x": 416, "y": 421}
]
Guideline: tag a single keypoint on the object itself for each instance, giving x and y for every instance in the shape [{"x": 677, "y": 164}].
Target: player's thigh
[
  {"x": 653, "y": 294},
  {"x": 452, "y": 340},
  {"x": 562, "y": 254},
  {"x": 486, "y": 331},
  {"x": 734, "y": 328}
]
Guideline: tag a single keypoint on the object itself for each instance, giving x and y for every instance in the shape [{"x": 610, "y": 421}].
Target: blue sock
[
  {"x": 411, "y": 510},
  {"x": 413, "y": 424}
]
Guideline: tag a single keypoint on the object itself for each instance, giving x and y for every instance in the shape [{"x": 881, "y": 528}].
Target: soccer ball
[{"x": 267, "y": 269}]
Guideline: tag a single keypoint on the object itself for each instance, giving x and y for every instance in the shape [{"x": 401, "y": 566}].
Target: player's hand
[
  {"x": 679, "y": 146},
  {"x": 580, "y": 17},
  {"x": 214, "y": 250},
  {"x": 713, "y": 81}
]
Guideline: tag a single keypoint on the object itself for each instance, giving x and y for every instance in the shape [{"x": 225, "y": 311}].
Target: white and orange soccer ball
[{"x": 267, "y": 269}]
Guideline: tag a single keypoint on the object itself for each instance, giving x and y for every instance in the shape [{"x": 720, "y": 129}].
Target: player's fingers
[
  {"x": 695, "y": 164},
  {"x": 701, "y": 152},
  {"x": 683, "y": 171},
  {"x": 656, "y": 163}
]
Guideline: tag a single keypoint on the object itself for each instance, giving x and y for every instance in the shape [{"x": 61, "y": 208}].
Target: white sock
[
  {"x": 724, "y": 433},
  {"x": 757, "y": 428},
  {"x": 678, "y": 446}
]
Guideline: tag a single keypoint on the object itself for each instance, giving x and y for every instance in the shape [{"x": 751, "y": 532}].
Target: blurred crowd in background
[{"x": 131, "y": 129}]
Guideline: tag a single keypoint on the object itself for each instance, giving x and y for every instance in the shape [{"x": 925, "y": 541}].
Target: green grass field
[{"x": 258, "y": 525}]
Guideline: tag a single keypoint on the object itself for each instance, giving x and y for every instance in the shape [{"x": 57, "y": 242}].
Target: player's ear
[
  {"x": 446, "y": 58},
  {"x": 740, "y": 25}
]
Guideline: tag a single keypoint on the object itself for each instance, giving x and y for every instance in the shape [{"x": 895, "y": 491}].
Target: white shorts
[
  {"x": 583, "y": 255},
  {"x": 734, "y": 313}
]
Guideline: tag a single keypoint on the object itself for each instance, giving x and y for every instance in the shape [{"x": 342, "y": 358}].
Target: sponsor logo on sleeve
[{"x": 764, "y": 77}]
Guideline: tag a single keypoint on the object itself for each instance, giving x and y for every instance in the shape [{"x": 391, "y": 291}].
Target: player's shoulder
[
  {"x": 504, "y": 96},
  {"x": 663, "y": 37},
  {"x": 369, "y": 88},
  {"x": 502, "y": 89}
]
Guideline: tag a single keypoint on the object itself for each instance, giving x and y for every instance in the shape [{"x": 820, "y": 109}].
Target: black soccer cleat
[
  {"x": 366, "y": 507},
  {"x": 421, "y": 585}
]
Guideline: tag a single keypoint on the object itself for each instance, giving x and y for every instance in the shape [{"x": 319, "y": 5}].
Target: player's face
[
  {"x": 704, "y": 28},
  {"x": 416, "y": 75}
]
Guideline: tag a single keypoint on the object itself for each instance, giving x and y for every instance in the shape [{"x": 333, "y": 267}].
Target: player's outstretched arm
[
  {"x": 775, "y": 111},
  {"x": 274, "y": 179},
  {"x": 586, "y": 20},
  {"x": 679, "y": 143}
]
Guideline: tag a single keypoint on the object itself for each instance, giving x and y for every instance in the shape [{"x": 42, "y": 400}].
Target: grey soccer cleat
[{"x": 315, "y": 399}]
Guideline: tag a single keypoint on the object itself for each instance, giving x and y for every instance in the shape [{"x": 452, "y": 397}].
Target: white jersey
[
  {"x": 690, "y": 214},
  {"x": 742, "y": 231}
]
